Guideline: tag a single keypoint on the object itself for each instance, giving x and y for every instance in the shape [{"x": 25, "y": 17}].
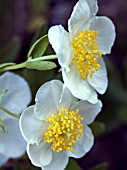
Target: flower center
[
  {"x": 64, "y": 129},
  {"x": 86, "y": 53}
]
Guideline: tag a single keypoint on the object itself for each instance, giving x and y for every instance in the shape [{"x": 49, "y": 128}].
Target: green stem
[
  {"x": 14, "y": 67},
  {"x": 10, "y": 113},
  {"x": 49, "y": 57},
  {"x": 23, "y": 65}
]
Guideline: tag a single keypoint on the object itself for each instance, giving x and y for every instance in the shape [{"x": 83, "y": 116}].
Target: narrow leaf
[
  {"x": 40, "y": 65},
  {"x": 73, "y": 165},
  {"x": 3, "y": 126},
  {"x": 2, "y": 93},
  {"x": 98, "y": 128},
  {"x": 39, "y": 47},
  {"x": 101, "y": 166},
  {"x": 6, "y": 64}
]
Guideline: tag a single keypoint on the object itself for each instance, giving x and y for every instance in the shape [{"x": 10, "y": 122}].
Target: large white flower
[
  {"x": 12, "y": 144},
  {"x": 56, "y": 127},
  {"x": 79, "y": 51}
]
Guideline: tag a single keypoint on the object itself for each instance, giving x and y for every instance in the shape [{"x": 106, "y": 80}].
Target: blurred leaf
[
  {"x": 121, "y": 112},
  {"x": 101, "y": 166},
  {"x": 73, "y": 165},
  {"x": 18, "y": 166},
  {"x": 40, "y": 65},
  {"x": 10, "y": 51},
  {"x": 116, "y": 89},
  {"x": 2, "y": 93},
  {"x": 39, "y": 47},
  {"x": 38, "y": 6},
  {"x": 6, "y": 64},
  {"x": 3, "y": 126},
  {"x": 98, "y": 128},
  {"x": 41, "y": 31}
]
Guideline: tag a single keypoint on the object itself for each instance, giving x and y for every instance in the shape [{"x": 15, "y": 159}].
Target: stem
[
  {"x": 49, "y": 57},
  {"x": 8, "y": 112},
  {"x": 23, "y": 65},
  {"x": 14, "y": 67}
]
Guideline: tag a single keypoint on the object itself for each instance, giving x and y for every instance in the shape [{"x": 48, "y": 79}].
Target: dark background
[{"x": 24, "y": 21}]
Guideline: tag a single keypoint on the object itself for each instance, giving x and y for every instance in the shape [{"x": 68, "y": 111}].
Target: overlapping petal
[
  {"x": 3, "y": 159},
  {"x": 31, "y": 127},
  {"x": 40, "y": 155},
  {"x": 12, "y": 143},
  {"x": 78, "y": 87},
  {"x": 59, "y": 39},
  {"x": 81, "y": 16},
  {"x": 59, "y": 161},
  {"x": 87, "y": 110},
  {"x": 99, "y": 81},
  {"x": 47, "y": 99},
  {"x": 18, "y": 95},
  {"x": 84, "y": 145},
  {"x": 106, "y": 33}
]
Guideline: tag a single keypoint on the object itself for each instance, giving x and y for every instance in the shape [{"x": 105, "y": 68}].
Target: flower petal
[
  {"x": 12, "y": 143},
  {"x": 59, "y": 39},
  {"x": 87, "y": 110},
  {"x": 31, "y": 127},
  {"x": 84, "y": 145},
  {"x": 47, "y": 99},
  {"x": 81, "y": 15},
  {"x": 59, "y": 161},
  {"x": 99, "y": 81},
  {"x": 67, "y": 99},
  {"x": 18, "y": 95},
  {"x": 106, "y": 33},
  {"x": 79, "y": 87},
  {"x": 40, "y": 155},
  {"x": 3, "y": 159}
]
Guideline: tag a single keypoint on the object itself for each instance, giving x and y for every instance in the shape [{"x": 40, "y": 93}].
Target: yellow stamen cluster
[
  {"x": 86, "y": 53},
  {"x": 64, "y": 129}
]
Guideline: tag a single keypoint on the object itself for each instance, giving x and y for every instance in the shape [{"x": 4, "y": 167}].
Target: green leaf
[
  {"x": 2, "y": 93},
  {"x": 6, "y": 64},
  {"x": 39, "y": 47},
  {"x": 10, "y": 51},
  {"x": 121, "y": 112},
  {"x": 98, "y": 128},
  {"x": 3, "y": 126},
  {"x": 40, "y": 65},
  {"x": 73, "y": 165},
  {"x": 101, "y": 166}
]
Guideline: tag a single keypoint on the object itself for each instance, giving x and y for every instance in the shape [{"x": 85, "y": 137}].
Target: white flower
[
  {"x": 12, "y": 144},
  {"x": 79, "y": 51},
  {"x": 55, "y": 128}
]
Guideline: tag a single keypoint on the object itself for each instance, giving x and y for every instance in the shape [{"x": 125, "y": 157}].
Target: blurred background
[{"x": 22, "y": 23}]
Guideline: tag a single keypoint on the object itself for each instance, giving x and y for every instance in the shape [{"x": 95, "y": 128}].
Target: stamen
[
  {"x": 64, "y": 129},
  {"x": 86, "y": 53}
]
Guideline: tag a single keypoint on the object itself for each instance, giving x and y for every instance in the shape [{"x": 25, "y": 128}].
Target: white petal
[
  {"x": 99, "y": 81},
  {"x": 79, "y": 87},
  {"x": 59, "y": 39},
  {"x": 59, "y": 161},
  {"x": 106, "y": 33},
  {"x": 87, "y": 110},
  {"x": 31, "y": 127},
  {"x": 12, "y": 143},
  {"x": 84, "y": 145},
  {"x": 40, "y": 155},
  {"x": 3, "y": 159},
  {"x": 82, "y": 13},
  {"x": 18, "y": 95},
  {"x": 67, "y": 99},
  {"x": 47, "y": 99}
]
